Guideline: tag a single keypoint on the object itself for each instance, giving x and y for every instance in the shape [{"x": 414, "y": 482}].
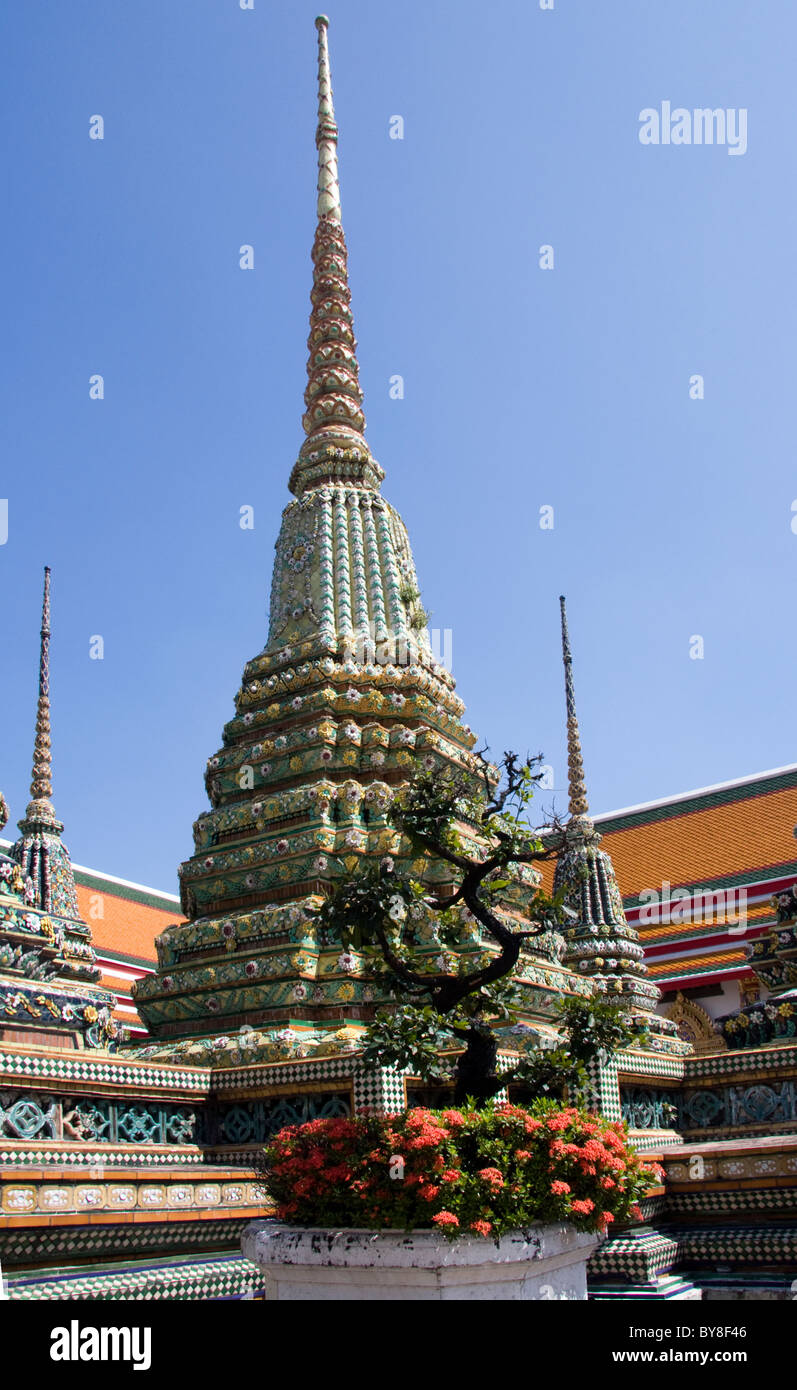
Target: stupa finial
[
  {"x": 335, "y": 449},
  {"x": 326, "y": 136},
  {"x": 579, "y": 806},
  {"x": 41, "y": 786}
]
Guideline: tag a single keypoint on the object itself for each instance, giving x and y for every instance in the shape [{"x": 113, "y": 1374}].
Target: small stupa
[
  {"x": 49, "y": 991},
  {"x": 601, "y": 945}
]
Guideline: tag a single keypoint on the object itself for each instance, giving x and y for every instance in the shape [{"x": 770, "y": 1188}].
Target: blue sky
[{"x": 523, "y": 387}]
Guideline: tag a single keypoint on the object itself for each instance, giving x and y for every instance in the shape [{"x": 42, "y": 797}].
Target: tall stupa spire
[
  {"x": 335, "y": 449},
  {"x": 579, "y": 806},
  {"x": 329, "y": 720},
  {"x": 41, "y": 786},
  {"x": 332, "y": 718}
]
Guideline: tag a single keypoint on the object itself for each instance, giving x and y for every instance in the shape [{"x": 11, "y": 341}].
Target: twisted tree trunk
[{"x": 477, "y": 1076}]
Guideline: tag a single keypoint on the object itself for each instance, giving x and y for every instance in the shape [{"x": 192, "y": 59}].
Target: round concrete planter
[{"x": 313, "y": 1263}]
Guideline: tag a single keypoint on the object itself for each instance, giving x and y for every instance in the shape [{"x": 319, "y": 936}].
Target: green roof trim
[
  {"x": 686, "y": 805},
  {"x": 146, "y": 897},
  {"x": 114, "y": 957}
]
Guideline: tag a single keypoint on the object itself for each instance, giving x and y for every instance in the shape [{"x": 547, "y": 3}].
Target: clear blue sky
[{"x": 523, "y": 387}]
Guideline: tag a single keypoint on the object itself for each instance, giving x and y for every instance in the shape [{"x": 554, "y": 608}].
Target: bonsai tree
[{"x": 475, "y": 837}]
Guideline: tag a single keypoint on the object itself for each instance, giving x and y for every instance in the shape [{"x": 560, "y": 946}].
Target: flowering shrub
[{"x": 485, "y": 1171}]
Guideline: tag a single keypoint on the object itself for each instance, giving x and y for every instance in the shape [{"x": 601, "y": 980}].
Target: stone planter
[{"x": 312, "y": 1263}]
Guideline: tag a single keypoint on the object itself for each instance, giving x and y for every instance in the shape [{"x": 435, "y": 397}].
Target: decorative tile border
[
  {"x": 645, "y": 1256},
  {"x": 225, "y": 1277},
  {"x": 262, "y": 1076},
  {"x": 69, "y": 1155},
  {"x": 713, "y": 1168},
  {"x": 637, "y": 1063},
  {"x": 640, "y": 1257},
  {"x": 63, "y": 1244},
  {"x": 109, "y": 1071},
  {"x": 777, "y": 1058},
  {"x": 97, "y": 1119},
  {"x": 80, "y": 1193},
  {"x": 752, "y": 1201}
]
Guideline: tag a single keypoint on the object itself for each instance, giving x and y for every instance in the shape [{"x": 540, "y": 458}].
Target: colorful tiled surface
[{"x": 228, "y": 1276}]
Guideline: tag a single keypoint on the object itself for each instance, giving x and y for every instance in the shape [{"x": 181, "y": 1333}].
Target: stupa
[
  {"x": 344, "y": 702},
  {"x": 49, "y": 992},
  {"x": 255, "y": 1015},
  {"x": 601, "y": 945}
]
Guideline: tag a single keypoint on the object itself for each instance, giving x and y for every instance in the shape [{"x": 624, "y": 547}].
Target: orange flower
[
  {"x": 493, "y": 1176},
  {"x": 454, "y": 1118},
  {"x": 445, "y": 1218},
  {"x": 582, "y": 1206}
]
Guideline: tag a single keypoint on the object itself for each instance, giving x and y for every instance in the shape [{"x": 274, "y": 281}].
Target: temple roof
[{"x": 706, "y": 835}]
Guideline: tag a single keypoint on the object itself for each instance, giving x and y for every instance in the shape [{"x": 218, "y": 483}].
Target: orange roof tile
[
  {"x": 731, "y": 835},
  {"x": 685, "y": 965},
  {"x": 125, "y": 927},
  {"x": 702, "y": 845},
  {"x": 689, "y": 846},
  {"x": 654, "y": 931}
]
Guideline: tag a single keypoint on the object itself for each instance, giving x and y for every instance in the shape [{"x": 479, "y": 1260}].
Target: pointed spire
[
  {"x": 39, "y": 851},
  {"x": 600, "y": 943},
  {"x": 335, "y": 448},
  {"x": 579, "y": 806},
  {"x": 41, "y": 786},
  {"x": 56, "y": 983},
  {"x": 326, "y": 136}
]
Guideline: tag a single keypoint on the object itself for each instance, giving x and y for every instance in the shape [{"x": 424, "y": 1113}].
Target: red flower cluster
[
  {"x": 492, "y": 1177},
  {"x": 485, "y": 1172},
  {"x": 446, "y": 1218},
  {"x": 453, "y": 1118}
]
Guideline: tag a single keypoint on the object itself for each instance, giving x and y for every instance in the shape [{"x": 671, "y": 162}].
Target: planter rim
[{"x": 269, "y": 1242}]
